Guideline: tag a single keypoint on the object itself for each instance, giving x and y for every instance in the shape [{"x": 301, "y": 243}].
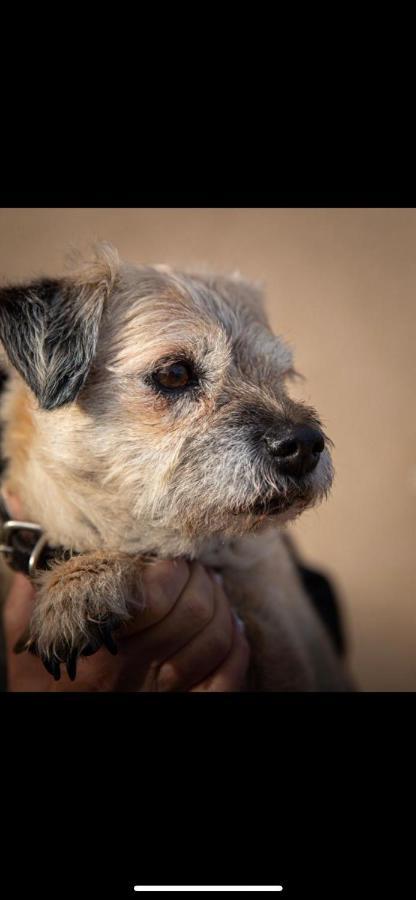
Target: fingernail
[
  {"x": 239, "y": 622},
  {"x": 165, "y": 678},
  {"x": 217, "y": 577}
]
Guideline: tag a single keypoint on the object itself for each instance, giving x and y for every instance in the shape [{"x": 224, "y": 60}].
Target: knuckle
[
  {"x": 167, "y": 678},
  {"x": 200, "y": 599},
  {"x": 163, "y": 582},
  {"x": 222, "y": 643},
  {"x": 200, "y": 608}
]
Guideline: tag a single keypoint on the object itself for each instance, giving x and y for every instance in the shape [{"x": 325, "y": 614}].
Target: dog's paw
[
  {"x": 79, "y": 604},
  {"x": 62, "y": 651}
]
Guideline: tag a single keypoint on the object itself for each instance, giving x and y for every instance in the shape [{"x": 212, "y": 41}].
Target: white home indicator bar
[{"x": 276, "y": 887}]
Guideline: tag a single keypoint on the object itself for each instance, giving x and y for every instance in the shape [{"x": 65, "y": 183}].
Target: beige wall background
[{"x": 340, "y": 286}]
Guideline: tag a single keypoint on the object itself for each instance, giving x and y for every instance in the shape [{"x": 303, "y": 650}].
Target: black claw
[
  {"x": 71, "y": 665},
  {"x": 47, "y": 664},
  {"x": 89, "y": 650},
  {"x": 52, "y": 666},
  {"x": 109, "y": 641},
  {"x": 22, "y": 644},
  {"x": 57, "y": 670}
]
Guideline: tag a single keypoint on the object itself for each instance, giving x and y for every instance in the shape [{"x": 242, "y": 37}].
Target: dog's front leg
[{"x": 79, "y": 603}]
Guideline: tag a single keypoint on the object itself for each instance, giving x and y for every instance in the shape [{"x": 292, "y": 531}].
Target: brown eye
[{"x": 174, "y": 377}]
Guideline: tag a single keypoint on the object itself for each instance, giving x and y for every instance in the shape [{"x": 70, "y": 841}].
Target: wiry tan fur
[{"x": 122, "y": 474}]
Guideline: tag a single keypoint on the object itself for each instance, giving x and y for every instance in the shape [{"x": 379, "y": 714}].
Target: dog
[{"x": 147, "y": 414}]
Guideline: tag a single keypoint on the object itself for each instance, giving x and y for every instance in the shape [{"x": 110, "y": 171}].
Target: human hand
[{"x": 186, "y": 639}]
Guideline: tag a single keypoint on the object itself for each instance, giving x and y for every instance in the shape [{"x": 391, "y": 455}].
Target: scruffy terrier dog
[{"x": 147, "y": 415}]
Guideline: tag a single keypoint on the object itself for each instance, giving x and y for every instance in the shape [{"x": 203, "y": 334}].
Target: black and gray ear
[{"x": 49, "y": 330}]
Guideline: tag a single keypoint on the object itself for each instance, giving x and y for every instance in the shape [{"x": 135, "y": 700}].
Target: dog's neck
[{"x": 67, "y": 506}]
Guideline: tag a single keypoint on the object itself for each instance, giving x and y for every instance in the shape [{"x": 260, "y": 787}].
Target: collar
[{"x": 24, "y": 545}]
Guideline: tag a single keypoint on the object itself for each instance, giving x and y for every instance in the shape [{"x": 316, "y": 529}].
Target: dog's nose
[{"x": 298, "y": 452}]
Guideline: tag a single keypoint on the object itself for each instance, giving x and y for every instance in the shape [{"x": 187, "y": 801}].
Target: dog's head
[{"x": 179, "y": 391}]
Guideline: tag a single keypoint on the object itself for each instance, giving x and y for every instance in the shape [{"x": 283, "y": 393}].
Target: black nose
[{"x": 298, "y": 451}]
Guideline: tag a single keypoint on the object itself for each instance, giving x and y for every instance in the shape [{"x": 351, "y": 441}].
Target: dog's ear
[{"x": 49, "y": 329}]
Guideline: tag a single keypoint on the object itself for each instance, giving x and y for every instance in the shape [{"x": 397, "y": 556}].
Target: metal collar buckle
[{"x": 10, "y": 530}]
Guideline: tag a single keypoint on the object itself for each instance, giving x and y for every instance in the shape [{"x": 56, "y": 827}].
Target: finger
[
  {"x": 204, "y": 653},
  {"x": 161, "y": 585},
  {"x": 191, "y": 613},
  {"x": 25, "y": 672},
  {"x": 18, "y": 608},
  {"x": 231, "y": 675},
  {"x": 14, "y": 505}
]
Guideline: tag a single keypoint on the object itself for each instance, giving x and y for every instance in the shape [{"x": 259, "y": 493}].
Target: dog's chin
[
  {"x": 284, "y": 507},
  {"x": 277, "y": 512},
  {"x": 276, "y": 506}
]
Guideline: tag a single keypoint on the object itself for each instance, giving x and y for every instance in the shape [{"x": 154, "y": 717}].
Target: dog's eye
[{"x": 173, "y": 377}]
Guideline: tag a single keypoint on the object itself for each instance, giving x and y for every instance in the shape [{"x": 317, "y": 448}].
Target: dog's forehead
[
  {"x": 217, "y": 295},
  {"x": 238, "y": 304},
  {"x": 166, "y": 304}
]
